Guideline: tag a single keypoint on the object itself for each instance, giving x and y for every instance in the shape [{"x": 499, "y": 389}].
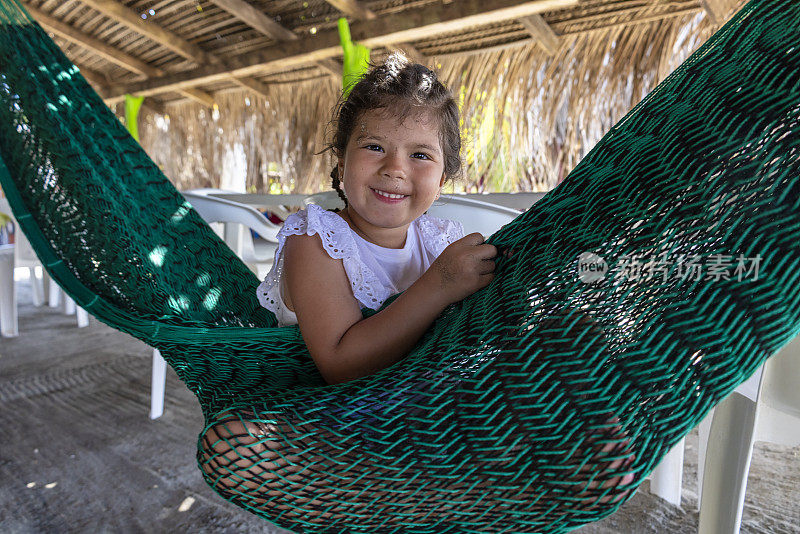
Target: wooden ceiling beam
[
  {"x": 256, "y": 19},
  {"x": 201, "y": 97},
  {"x": 642, "y": 19},
  {"x": 123, "y": 15},
  {"x": 253, "y": 85},
  {"x": 177, "y": 44},
  {"x": 437, "y": 19},
  {"x": 531, "y": 41},
  {"x": 107, "y": 52},
  {"x": 353, "y": 8},
  {"x": 277, "y": 32},
  {"x": 541, "y": 32},
  {"x": 416, "y": 24}
]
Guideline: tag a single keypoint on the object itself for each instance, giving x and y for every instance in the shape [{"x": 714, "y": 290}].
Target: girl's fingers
[
  {"x": 485, "y": 252},
  {"x": 486, "y": 267},
  {"x": 474, "y": 239},
  {"x": 486, "y": 279}
]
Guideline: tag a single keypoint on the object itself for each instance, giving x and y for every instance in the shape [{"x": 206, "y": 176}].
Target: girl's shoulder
[
  {"x": 339, "y": 243},
  {"x": 337, "y": 240},
  {"x": 334, "y": 231},
  {"x": 437, "y": 233}
]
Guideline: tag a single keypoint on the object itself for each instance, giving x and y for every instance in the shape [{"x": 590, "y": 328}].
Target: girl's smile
[{"x": 389, "y": 198}]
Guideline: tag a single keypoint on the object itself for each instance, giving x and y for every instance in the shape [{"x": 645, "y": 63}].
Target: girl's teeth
[{"x": 389, "y": 195}]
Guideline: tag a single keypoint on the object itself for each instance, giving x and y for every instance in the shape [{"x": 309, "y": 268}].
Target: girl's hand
[{"x": 462, "y": 268}]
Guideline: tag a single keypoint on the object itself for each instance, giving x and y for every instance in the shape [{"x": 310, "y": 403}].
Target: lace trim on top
[
  {"x": 338, "y": 242},
  {"x": 437, "y": 234}
]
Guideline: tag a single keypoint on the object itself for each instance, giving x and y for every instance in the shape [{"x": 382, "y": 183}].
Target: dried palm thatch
[
  {"x": 528, "y": 117},
  {"x": 196, "y": 146}
]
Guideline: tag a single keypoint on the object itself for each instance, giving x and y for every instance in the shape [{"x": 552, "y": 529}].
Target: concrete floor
[{"x": 79, "y": 454}]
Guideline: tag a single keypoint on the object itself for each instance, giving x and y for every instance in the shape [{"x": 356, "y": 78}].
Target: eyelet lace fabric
[
  {"x": 338, "y": 242},
  {"x": 438, "y": 233}
]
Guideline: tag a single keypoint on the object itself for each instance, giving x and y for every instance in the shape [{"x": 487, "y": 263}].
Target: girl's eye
[
  {"x": 372, "y": 147},
  {"x": 422, "y": 154}
]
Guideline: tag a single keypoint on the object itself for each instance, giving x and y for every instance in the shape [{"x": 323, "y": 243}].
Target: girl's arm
[{"x": 343, "y": 345}]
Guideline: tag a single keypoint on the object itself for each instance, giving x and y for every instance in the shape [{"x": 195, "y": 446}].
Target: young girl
[{"x": 397, "y": 142}]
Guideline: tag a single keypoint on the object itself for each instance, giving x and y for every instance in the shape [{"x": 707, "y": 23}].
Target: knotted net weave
[{"x": 536, "y": 405}]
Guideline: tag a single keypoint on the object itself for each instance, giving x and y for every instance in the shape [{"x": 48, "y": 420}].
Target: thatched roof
[{"x": 260, "y": 77}]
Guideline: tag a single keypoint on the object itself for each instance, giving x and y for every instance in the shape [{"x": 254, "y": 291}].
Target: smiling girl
[{"x": 397, "y": 142}]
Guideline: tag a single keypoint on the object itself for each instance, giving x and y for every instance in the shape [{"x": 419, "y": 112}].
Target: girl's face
[{"x": 391, "y": 173}]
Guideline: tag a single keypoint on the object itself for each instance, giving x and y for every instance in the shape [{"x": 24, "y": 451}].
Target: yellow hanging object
[
  {"x": 132, "y": 105},
  {"x": 356, "y": 58}
]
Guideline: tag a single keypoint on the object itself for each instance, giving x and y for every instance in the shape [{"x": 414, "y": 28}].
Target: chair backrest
[
  {"x": 475, "y": 215},
  {"x": 520, "y": 200},
  {"x": 213, "y": 209}
]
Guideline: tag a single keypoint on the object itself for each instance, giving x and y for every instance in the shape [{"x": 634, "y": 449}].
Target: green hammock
[{"x": 536, "y": 405}]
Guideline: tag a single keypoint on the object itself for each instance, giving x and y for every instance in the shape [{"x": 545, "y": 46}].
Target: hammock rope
[{"x": 538, "y": 404}]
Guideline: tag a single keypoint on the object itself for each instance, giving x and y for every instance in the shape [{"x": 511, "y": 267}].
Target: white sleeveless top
[{"x": 375, "y": 273}]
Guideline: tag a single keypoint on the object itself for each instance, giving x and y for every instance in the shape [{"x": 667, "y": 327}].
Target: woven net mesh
[{"x": 536, "y": 405}]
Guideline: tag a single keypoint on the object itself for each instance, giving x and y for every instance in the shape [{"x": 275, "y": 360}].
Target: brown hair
[{"x": 399, "y": 86}]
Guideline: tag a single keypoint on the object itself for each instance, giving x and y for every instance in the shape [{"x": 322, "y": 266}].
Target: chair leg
[
  {"x": 9, "y": 326},
  {"x": 666, "y": 479},
  {"x": 704, "y": 430},
  {"x": 730, "y": 448},
  {"x": 54, "y": 293},
  {"x": 69, "y": 305},
  {"x": 157, "y": 385},
  {"x": 37, "y": 287},
  {"x": 83, "y": 318},
  {"x": 46, "y": 285}
]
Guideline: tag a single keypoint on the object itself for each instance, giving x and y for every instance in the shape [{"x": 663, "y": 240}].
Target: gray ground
[{"x": 78, "y": 452}]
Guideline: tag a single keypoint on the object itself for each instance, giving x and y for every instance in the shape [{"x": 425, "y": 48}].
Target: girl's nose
[{"x": 393, "y": 165}]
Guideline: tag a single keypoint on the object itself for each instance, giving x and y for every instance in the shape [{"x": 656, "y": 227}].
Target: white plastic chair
[
  {"x": 769, "y": 410},
  {"x": 766, "y": 407},
  {"x": 666, "y": 480},
  {"x": 259, "y": 258},
  {"x": 519, "y": 201},
  {"x": 44, "y": 289}
]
